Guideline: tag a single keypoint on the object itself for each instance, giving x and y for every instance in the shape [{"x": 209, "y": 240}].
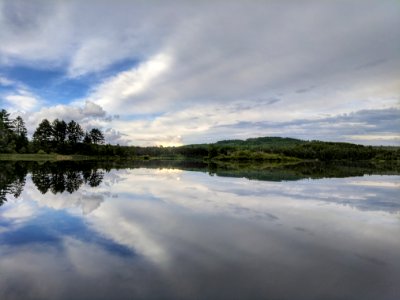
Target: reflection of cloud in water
[
  {"x": 145, "y": 197},
  {"x": 238, "y": 238},
  {"x": 383, "y": 184},
  {"x": 198, "y": 230},
  {"x": 80, "y": 271},
  {"x": 114, "y": 177},
  {"x": 18, "y": 210},
  {"x": 86, "y": 198},
  {"x": 364, "y": 194}
]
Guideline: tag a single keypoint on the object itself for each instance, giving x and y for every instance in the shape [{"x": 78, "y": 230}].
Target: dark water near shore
[{"x": 182, "y": 230}]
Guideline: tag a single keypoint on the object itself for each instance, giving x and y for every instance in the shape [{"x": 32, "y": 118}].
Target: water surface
[{"x": 173, "y": 233}]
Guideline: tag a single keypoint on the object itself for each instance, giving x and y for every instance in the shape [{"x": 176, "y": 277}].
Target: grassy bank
[
  {"x": 75, "y": 157},
  {"x": 42, "y": 157},
  {"x": 62, "y": 157}
]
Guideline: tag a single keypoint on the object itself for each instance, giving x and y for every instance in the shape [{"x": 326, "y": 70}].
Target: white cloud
[
  {"x": 92, "y": 109},
  {"x": 89, "y": 115},
  {"x": 116, "y": 92},
  {"x": 34, "y": 32},
  {"x": 21, "y": 99},
  {"x": 202, "y": 66},
  {"x": 19, "y": 211},
  {"x": 22, "y": 102},
  {"x": 386, "y": 138},
  {"x": 210, "y": 123},
  {"x": 5, "y": 81},
  {"x": 86, "y": 57},
  {"x": 85, "y": 199}
]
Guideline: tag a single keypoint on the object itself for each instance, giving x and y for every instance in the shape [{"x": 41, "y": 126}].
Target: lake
[{"x": 190, "y": 231}]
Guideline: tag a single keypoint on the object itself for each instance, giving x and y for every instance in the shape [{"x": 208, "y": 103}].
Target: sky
[{"x": 183, "y": 72}]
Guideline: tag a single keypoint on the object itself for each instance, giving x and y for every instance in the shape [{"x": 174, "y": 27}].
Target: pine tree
[
  {"x": 20, "y": 132},
  {"x": 7, "y": 138},
  {"x": 96, "y": 136},
  {"x": 74, "y": 132},
  {"x": 59, "y": 131},
  {"x": 43, "y": 135}
]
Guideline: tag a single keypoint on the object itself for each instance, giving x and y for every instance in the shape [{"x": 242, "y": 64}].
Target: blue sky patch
[
  {"x": 54, "y": 86},
  {"x": 51, "y": 226}
]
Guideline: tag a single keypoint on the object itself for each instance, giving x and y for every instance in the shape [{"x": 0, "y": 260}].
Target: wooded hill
[{"x": 273, "y": 148}]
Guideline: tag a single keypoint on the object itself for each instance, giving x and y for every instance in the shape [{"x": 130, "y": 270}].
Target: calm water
[{"x": 160, "y": 233}]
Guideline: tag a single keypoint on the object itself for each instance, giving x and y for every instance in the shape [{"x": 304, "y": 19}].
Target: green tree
[
  {"x": 59, "y": 131},
  {"x": 212, "y": 151},
  {"x": 96, "y": 136},
  {"x": 21, "y": 138},
  {"x": 7, "y": 137},
  {"x": 5, "y": 120},
  {"x": 43, "y": 135},
  {"x": 87, "y": 139},
  {"x": 74, "y": 132}
]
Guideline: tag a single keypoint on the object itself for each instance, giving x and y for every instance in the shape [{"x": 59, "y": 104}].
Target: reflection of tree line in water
[
  {"x": 12, "y": 180},
  {"x": 304, "y": 170},
  {"x": 57, "y": 180},
  {"x": 55, "y": 177},
  {"x": 274, "y": 171},
  {"x": 69, "y": 176}
]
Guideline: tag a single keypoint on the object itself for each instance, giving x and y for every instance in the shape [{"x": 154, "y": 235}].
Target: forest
[{"x": 70, "y": 138}]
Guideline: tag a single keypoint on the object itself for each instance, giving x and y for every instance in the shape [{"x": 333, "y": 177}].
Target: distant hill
[
  {"x": 290, "y": 147},
  {"x": 263, "y": 142}
]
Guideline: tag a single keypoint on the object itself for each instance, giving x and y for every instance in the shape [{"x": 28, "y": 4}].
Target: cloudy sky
[{"x": 178, "y": 72}]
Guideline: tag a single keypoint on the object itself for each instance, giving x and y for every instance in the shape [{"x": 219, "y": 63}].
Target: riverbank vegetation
[{"x": 59, "y": 140}]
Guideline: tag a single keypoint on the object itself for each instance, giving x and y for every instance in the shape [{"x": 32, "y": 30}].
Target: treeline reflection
[
  {"x": 69, "y": 176},
  {"x": 12, "y": 180},
  {"x": 48, "y": 177},
  {"x": 58, "y": 180}
]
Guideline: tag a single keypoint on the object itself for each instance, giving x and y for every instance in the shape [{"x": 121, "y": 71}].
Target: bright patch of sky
[
  {"x": 151, "y": 73},
  {"x": 52, "y": 84}
]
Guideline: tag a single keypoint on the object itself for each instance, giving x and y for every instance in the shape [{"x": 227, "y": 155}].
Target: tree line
[
  {"x": 70, "y": 138},
  {"x": 60, "y": 136},
  {"x": 305, "y": 150},
  {"x": 56, "y": 136}
]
